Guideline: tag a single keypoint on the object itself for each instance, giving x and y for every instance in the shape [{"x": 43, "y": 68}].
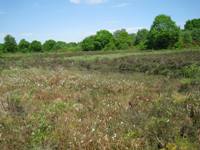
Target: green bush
[
  {"x": 192, "y": 71},
  {"x": 49, "y": 45},
  {"x": 23, "y": 45},
  {"x": 10, "y": 44},
  {"x": 122, "y": 39},
  {"x": 35, "y": 46}
]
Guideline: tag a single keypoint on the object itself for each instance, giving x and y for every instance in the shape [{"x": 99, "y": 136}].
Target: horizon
[{"x": 73, "y": 20}]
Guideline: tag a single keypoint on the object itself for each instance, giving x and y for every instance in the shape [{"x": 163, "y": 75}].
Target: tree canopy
[
  {"x": 23, "y": 45},
  {"x": 36, "y": 46},
  {"x": 164, "y": 33},
  {"x": 192, "y": 24},
  {"x": 49, "y": 45},
  {"x": 10, "y": 44},
  {"x": 141, "y": 36},
  {"x": 122, "y": 39}
]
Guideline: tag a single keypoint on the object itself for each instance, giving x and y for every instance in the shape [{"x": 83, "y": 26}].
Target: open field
[{"x": 106, "y": 100}]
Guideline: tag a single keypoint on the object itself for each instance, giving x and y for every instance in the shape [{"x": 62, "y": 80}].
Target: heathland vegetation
[
  {"x": 104, "y": 92},
  {"x": 163, "y": 34}
]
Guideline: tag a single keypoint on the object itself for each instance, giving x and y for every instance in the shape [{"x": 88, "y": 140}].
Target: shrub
[
  {"x": 36, "y": 46},
  {"x": 192, "y": 71},
  {"x": 23, "y": 45},
  {"x": 49, "y": 45},
  {"x": 141, "y": 37},
  {"x": 122, "y": 39},
  {"x": 88, "y": 44},
  {"x": 196, "y": 36},
  {"x": 10, "y": 44}
]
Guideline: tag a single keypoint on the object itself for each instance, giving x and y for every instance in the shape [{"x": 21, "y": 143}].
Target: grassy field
[{"x": 100, "y": 100}]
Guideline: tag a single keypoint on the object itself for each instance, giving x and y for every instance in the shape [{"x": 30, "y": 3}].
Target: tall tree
[
  {"x": 49, "y": 45},
  {"x": 122, "y": 39},
  {"x": 192, "y": 24},
  {"x": 10, "y": 44},
  {"x": 35, "y": 46},
  {"x": 102, "y": 38},
  {"x": 141, "y": 36},
  {"x": 23, "y": 45},
  {"x": 164, "y": 33},
  {"x": 88, "y": 44}
]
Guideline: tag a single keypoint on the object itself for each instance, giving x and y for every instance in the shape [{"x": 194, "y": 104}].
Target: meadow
[{"x": 100, "y": 100}]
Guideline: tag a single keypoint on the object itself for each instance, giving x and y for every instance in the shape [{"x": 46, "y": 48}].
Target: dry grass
[{"x": 43, "y": 108}]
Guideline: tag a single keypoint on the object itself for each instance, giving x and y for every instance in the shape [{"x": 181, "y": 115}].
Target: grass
[{"x": 79, "y": 102}]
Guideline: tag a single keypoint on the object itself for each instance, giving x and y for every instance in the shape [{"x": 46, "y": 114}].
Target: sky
[{"x": 72, "y": 20}]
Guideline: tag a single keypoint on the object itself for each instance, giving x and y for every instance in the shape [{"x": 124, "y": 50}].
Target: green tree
[
  {"x": 185, "y": 39},
  {"x": 88, "y": 44},
  {"x": 164, "y": 33},
  {"x": 133, "y": 38},
  {"x": 141, "y": 36},
  {"x": 10, "y": 44},
  {"x": 49, "y": 45},
  {"x": 1, "y": 48},
  {"x": 122, "y": 39},
  {"x": 102, "y": 38},
  {"x": 192, "y": 24},
  {"x": 60, "y": 45},
  {"x": 110, "y": 46},
  {"x": 196, "y": 36},
  {"x": 35, "y": 46},
  {"x": 23, "y": 45}
]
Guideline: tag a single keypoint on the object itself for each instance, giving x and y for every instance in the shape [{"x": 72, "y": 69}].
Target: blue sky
[{"x": 72, "y": 20}]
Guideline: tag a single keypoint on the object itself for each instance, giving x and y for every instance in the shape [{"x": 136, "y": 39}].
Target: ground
[{"x": 100, "y": 100}]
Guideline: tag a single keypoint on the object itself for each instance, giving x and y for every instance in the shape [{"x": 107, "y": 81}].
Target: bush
[
  {"x": 196, "y": 37},
  {"x": 1, "y": 48},
  {"x": 122, "y": 39},
  {"x": 23, "y": 45},
  {"x": 10, "y": 44},
  {"x": 88, "y": 44},
  {"x": 49, "y": 45},
  {"x": 36, "y": 46},
  {"x": 141, "y": 37},
  {"x": 192, "y": 71}
]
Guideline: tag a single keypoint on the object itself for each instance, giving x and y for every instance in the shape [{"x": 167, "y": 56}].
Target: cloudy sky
[{"x": 72, "y": 20}]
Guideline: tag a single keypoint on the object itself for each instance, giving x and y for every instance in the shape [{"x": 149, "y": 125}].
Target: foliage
[
  {"x": 23, "y": 45},
  {"x": 192, "y": 24},
  {"x": 49, "y": 45},
  {"x": 122, "y": 39},
  {"x": 163, "y": 33},
  {"x": 102, "y": 38},
  {"x": 141, "y": 36},
  {"x": 185, "y": 40},
  {"x": 196, "y": 36},
  {"x": 35, "y": 46},
  {"x": 60, "y": 45},
  {"x": 192, "y": 71},
  {"x": 50, "y": 97},
  {"x": 1, "y": 48},
  {"x": 133, "y": 38},
  {"x": 88, "y": 44},
  {"x": 10, "y": 44}
]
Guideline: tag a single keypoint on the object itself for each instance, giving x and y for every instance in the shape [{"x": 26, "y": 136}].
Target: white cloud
[
  {"x": 90, "y": 2},
  {"x": 75, "y": 1},
  {"x": 120, "y": 5}
]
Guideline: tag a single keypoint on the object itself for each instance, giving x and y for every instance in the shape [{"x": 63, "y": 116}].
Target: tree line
[{"x": 163, "y": 34}]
